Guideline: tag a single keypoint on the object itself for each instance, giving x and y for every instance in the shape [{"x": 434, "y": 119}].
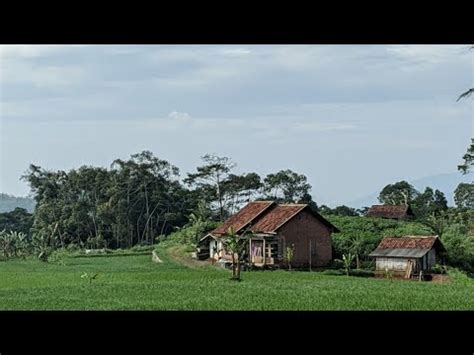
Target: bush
[
  {"x": 333, "y": 272},
  {"x": 142, "y": 248},
  {"x": 336, "y": 264},
  {"x": 439, "y": 269},
  {"x": 362, "y": 273},
  {"x": 367, "y": 264},
  {"x": 58, "y": 257}
]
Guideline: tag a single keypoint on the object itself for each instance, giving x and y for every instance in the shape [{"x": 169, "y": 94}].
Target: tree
[
  {"x": 286, "y": 186},
  {"x": 429, "y": 203},
  {"x": 468, "y": 159},
  {"x": 398, "y": 193},
  {"x": 211, "y": 177},
  {"x": 289, "y": 254},
  {"x": 357, "y": 242},
  {"x": 17, "y": 220},
  {"x": 347, "y": 259},
  {"x": 238, "y": 189},
  {"x": 236, "y": 245},
  {"x": 464, "y": 195},
  {"x": 129, "y": 203}
]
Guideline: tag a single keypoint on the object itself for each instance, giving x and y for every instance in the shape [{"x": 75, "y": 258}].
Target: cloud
[
  {"x": 180, "y": 116},
  {"x": 236, "y": 52},
  {"x": 17, "y": 51},
  {"x": 428, "y": 54}
]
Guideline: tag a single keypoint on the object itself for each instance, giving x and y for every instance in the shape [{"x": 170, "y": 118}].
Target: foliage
[
  {"x": 459, "y": 243},
  {"x": 209, "y": 180},
  {"x": 13, "y": 244},
  {"x": 236, "y": 245},
  {"x": 18, "y": 220},
  {"x": 348, "y": 259},
  {"x": 125, "y": 205},
  {"x": 468, "y": 159},
  {"x": 339, "y": 211},
  {"x": 439, "y": 269},
  {"x": 334, "y": 272},
  {"x": 464, "y": 195},
  {"x": 289, "y": 254},
  {"x": 286, "y": 186},
  {"x": 368, "y": 232},
  {"x": 398, "y": 193},
  {"x": 190, "y": 234}
]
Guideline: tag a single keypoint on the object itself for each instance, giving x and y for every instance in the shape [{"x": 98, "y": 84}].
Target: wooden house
[
  {"x": 407, "y": 256},
  {"x": 399, "y": 212},
  {"x": 273, "y": 227}
]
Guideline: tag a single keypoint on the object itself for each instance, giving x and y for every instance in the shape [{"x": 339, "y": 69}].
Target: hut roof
[
  {"x": 407, "y": 246},
  {"x": 390, "y": 211}
]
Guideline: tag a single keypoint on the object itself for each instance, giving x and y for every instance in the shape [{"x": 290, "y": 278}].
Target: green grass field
[{"x": 135, "y": 283}]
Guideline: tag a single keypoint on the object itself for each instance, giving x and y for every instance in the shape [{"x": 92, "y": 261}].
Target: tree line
[
  {"x": 136, "y": 200},
  {"x": 143, "y": 199}
]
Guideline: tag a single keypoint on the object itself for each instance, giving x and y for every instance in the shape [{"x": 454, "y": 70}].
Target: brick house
[{"x": 273, "y": 227}]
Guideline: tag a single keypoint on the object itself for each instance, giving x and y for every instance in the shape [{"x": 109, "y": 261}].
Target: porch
[{"x": 264, "y": 250}]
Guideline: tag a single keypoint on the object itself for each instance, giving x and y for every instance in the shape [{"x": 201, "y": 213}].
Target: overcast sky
[{"x": 351, "y": 118}]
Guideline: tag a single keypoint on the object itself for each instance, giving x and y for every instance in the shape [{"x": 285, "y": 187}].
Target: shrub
[
  {"x": 58, "y": 257},
  {"x": 333, "y": 272},
  {"x": 439, "y": 269},
  {"x": 336, "y": 264}
]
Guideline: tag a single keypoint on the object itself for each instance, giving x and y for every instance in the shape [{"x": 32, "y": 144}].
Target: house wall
[
  {"x": 392, "y": 264},
  {"x": 299, "y": 231},
  {"x": 431, "y": 258}
]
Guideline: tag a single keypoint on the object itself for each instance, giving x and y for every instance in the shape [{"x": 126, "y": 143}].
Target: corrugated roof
[
  {"x": 389, "y": 211},
  {"x": 410, "y": 246},
  {"x": 399, "y": 253},
  {"x": 276, "y": 217},
  {"x": 242, "y": 218}
]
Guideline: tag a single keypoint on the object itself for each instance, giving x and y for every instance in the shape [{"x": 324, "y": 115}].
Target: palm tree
[{"x": 236, "y": 245}]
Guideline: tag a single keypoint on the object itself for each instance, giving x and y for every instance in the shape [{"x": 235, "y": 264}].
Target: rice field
[{"x": 134, "y": 282}]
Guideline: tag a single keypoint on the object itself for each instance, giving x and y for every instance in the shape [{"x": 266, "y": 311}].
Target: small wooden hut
[{"x": 407, "y": 256}]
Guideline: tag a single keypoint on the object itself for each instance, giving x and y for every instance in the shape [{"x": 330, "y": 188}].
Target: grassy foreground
[{"x": 136, "y": 283}]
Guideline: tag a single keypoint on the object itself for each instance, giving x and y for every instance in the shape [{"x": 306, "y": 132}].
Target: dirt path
[{"x": 179, "y": 254}]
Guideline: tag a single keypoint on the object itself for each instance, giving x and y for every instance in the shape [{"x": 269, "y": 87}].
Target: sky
[{"x": 352, "y": 118}]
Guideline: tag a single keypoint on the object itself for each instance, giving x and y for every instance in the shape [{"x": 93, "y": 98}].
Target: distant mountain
[
  {"x": 446, "y": 183},
  {"x": 9, "y": 203}
]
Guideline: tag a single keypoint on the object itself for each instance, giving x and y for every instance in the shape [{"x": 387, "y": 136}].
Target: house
[
  {"x": 390, "y": 211},
  {"x": 407, "y": 256},
  {"x": 273, "y": 227}
]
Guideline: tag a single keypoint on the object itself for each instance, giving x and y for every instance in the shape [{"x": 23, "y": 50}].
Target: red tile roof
[
  {"x": 276, "y": 217},
  {"x": 265, "y": 217},
  {"x": 408, "y": 242},
  {"x": 389, "y": 211},
  {"x": 243, "y": 217}
]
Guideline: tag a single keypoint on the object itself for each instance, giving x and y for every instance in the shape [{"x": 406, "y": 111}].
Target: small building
[
  {"x": 399, "y": 212},
  {"x": 407, "y": 256},
  {"x": 273, "y": 227}
]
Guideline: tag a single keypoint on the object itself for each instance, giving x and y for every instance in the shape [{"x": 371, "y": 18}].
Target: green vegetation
[
  {"x": 361, "y": 235},
  {"x": 134, "y": 282}
]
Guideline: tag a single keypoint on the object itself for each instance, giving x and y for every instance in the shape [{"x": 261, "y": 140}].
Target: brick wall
[{"x": 299, "y": 231}]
